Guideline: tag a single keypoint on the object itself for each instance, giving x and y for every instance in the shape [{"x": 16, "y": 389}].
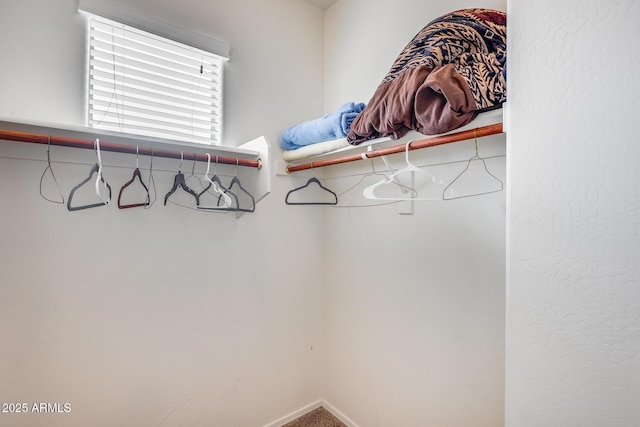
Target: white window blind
[{"x": 144, "y": 84}]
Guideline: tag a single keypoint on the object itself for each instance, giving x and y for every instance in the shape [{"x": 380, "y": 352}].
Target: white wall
[
  {"x": 164, "y": 316},
  {"x": 363, "y": 38},
  {"x": 573, "y": 214},
  {"x": 414, "y": 304}
]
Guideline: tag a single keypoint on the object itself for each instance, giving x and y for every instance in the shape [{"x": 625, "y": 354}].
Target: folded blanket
[
  {"x": 332, "y": 126},
  {"x": 453, "y": 69}
]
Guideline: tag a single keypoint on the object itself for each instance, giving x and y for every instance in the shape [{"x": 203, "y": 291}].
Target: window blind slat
[
  {"x": 142, "y": 115},
  {"x": 161, "y": 100},
  {"x": 117, "y": 100},
  {"x": 105, "y": 104},
  {"x": 109, "y": 78},
  {"x": 163, "y": 93},
  {"x": 140, "y": 79},
  {"x": 146, "y": 131},
  {"x": 122, "y": 40},
  {"x": 112, "y": 54},
  {"x": 129, "y": 125},
  {"x": 135, "y": 109},
  {"x": 172, "y": 125}
]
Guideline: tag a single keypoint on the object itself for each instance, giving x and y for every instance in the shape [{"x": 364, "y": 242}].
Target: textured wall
[{"x": 573, "y": 307}]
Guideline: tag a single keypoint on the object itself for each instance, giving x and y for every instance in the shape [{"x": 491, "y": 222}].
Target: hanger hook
[
  {"x": 137, "y": 153},
  {"x": 49, "y": 150},
  {"x": 208, "y": 163},
  {"x": 97, "y": 147},
  {"x": 475, "y": 137},
  {"x": 99, "y": 175},
  {"x": 406, "y": 152},
  {"x": 181, "y": 159},
  {"x": 152, "y": 181}
]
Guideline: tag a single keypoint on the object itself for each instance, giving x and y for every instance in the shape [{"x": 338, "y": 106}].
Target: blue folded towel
[{"x": 332, "y": 126}]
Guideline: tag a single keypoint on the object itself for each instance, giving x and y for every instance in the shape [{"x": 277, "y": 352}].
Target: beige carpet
[{"x": 319, "y": 417}]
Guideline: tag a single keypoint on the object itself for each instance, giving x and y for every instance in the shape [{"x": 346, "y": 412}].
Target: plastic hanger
[
  {"x": 311, "y": 181},
  {"x": 224, "y": 194},
  {"x": 374, "y": 172},
  {"x": 136, "y": 174},
  {"x": 48, "y": 168},
  {"x": 369, "y": 192},
  {"x": 454, "y": 195},
  {"x": 179, "y": 182},
  {"x": 236, "y": 181},
  {"x": 97, "y": 169}
]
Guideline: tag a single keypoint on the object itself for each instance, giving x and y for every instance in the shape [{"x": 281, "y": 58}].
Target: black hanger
[
  {"x": 236, "y": 181},
  {"x": 179, "y": 182},
  {"x": 93, "y": 170},
  {"x": 311, "y": 180},
  {"x": 227, "y": 191},
  {"x": 136, "y": 174}
]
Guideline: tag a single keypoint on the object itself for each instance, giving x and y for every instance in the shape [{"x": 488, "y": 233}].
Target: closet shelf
[
  {"x": 81, "y": 137},
  {"x": 486, "y": 124},
  {"x": 400, "y": 148}
]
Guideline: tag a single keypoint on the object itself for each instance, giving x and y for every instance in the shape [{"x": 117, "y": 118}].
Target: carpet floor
[{"x": 319, "y": 417}]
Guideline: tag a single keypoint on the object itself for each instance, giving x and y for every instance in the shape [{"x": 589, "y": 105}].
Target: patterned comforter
[{"x": 453, "y": 69}]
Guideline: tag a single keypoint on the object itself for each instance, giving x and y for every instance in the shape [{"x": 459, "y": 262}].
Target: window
[{"x": 143, "y": 84}]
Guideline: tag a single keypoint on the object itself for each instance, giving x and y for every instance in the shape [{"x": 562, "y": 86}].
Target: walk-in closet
[{"x": 482, "y": 275}]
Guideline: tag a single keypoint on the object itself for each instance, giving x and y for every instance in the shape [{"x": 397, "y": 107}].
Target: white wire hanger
[
  {"x": 152, "y": 183},
  {"x": 48, "y": 168},
  {"x": 375, "y": 173},
  {"x": 193, "y": 181},
  {"x": 369, "y": 192},
  {"x": 480, "y": 186}
]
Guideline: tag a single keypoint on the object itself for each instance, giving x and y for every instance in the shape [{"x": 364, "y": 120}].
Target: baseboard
[
  {"x": 295, "y": 414},
  {"x": 336, "y": 413},
  {"x": 308, "y": 408}
]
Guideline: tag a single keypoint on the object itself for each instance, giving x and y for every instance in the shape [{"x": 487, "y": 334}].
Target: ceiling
[{"x": 322, "y": 4}]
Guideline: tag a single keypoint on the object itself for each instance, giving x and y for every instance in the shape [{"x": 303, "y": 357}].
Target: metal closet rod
[
  {"x": 401, "y": 148},
  {"x": 120, "y": 148}
]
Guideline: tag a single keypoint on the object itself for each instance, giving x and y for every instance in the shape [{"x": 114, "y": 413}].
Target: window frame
[{"x": 215, "y": 106}]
